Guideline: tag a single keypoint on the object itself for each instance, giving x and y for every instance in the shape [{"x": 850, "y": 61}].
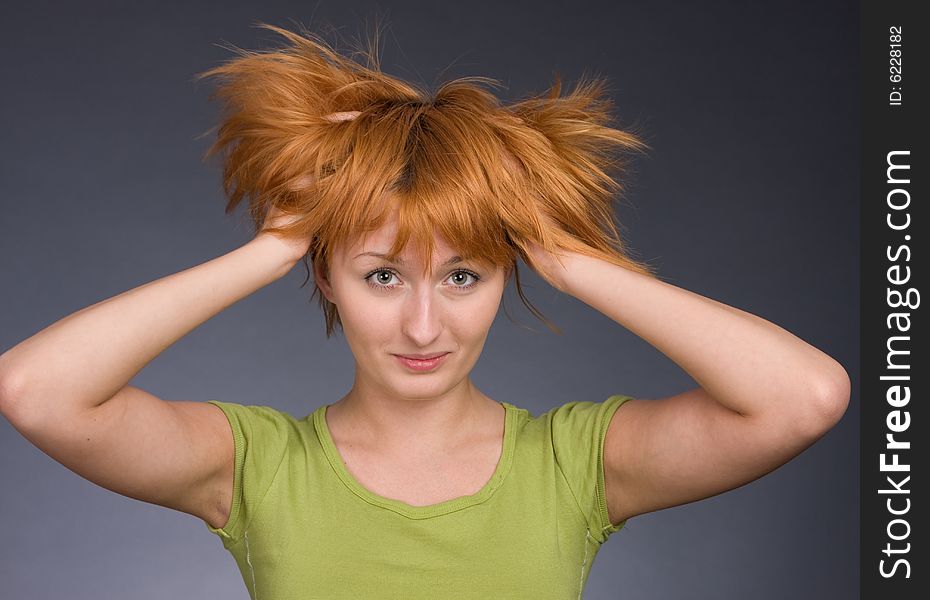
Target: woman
[{"x": 413, "y": 210}]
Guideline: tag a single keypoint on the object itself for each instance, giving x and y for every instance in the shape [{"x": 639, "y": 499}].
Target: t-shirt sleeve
[
  {"x": 578, "y": 430},
  {"x": 260, "y": 435}
]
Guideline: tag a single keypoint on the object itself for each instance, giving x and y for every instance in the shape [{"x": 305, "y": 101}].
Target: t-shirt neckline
[{"x": 401, "y": 507}]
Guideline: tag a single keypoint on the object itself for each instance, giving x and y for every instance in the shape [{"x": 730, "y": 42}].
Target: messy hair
[{"x": 489, "y": 177}]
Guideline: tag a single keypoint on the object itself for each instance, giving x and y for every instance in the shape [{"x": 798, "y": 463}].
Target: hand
[
  {"x": 551, "y": 267},
  {"x": 277, "y": 218},
  {"x": 336, "y": 117},
  {"x": 294, "y": 248},
  {"x": 342, "y": 116}
]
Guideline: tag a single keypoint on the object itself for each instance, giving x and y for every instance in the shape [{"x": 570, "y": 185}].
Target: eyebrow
[{"x": 400, "y": 261}]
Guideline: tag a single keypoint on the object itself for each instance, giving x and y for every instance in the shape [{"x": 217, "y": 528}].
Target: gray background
[{"x": 749, "y": 196}]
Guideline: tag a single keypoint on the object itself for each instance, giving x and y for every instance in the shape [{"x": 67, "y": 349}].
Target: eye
[
  {"x": 381, "y": 279},
  {"x": 463, "y": 275}
]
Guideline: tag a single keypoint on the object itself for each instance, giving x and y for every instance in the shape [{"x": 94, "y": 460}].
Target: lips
[
  {"x": 421, "y": 356},
  {"x": 422, "y": 364}
]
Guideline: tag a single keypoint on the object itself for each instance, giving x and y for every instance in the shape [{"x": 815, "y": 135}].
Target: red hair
[{"x": 489, "y": 177}]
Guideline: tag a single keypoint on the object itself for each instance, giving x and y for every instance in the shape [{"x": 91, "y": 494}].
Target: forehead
[
  {"x": 380, "y": 241},
  {"x": 431, "y": 251}
]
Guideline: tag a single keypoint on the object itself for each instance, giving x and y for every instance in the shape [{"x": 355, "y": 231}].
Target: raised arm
[
  {"x": 65, "y": 388},
  {"x": 764, "y": 396}
]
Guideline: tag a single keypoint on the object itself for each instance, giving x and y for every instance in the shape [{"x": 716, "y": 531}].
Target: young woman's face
[{"x": 391, "y": 310}]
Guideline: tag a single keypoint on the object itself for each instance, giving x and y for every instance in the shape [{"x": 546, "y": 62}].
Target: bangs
[
  {"x": 490, "y": 179},
  {"x": 434, "y": 166}
]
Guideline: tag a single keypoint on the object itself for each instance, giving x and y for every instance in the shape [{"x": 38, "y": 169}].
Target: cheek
[
  {"x": 474, "y": 321},
  {"x": 364, "y": 315},
  {"x": 486, "y": 313},
  {"x": 366, "y": 332},
  {"x": 368, "y": 318},
  {"x": 491, "y": 303}
]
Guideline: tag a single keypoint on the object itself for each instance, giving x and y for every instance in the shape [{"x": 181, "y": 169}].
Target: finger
[
  {"x": 302, "y": 183},
  {"x": 511, "y": 162},
  {"x": 342, "y": 116}
]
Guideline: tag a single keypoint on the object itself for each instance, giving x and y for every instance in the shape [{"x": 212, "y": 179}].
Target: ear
[
  {"x": 508, "y": 271},
  {"x": 322, "y": 280}
]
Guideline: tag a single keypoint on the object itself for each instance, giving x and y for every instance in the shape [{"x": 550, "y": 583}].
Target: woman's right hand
[{"x": 294, "y": 249}]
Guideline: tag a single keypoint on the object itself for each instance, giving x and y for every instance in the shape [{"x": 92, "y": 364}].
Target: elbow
[
  {"x": 10, "y": 395},
  {"x": 17, "y": 404},
  {"x": 827, "y": 403}
]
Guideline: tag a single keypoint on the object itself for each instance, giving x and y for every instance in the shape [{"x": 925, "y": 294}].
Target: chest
[
  {"x": 319, "y": 534},
  {"x": 423, "y": 480},
  {"x": 482, "y": 551}
]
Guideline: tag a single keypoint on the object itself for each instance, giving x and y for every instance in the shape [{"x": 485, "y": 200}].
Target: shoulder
[
  {"x": 583, "y": 417},
  {"x": 263, "y": 436},
  {"x": 255, "y": 418}
]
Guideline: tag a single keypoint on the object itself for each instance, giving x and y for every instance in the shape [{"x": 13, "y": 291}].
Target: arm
[
  {"x": 764, "y": 396},
  {"x": 79, "y": 362},
  {"x": 65, "y": 388}
]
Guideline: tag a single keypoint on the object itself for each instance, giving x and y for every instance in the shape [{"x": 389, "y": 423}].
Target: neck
[{"x": 392, "y": 422}]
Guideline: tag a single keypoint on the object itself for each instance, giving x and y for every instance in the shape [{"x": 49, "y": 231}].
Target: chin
[{"x": 421, "y": 386}]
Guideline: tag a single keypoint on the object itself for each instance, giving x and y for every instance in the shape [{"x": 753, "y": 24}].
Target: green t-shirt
[{"x": 302, "y": 527}]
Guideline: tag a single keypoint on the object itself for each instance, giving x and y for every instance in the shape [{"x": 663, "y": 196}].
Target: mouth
[{"x": 425, "y": 363}]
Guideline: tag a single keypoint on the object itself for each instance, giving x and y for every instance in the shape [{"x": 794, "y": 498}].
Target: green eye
[
  {"x": 380, "y": 278},
  {"x": 467, "y": 274}
]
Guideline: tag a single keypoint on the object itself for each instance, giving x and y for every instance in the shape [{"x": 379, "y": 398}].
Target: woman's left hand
[{"x": 553, "y": 267}]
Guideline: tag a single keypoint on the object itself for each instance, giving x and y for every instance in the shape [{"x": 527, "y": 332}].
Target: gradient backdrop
[{"x": 750, "y": 196}]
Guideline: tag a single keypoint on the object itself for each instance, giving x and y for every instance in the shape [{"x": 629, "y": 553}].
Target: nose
[{"x": 421, "y": 320}]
